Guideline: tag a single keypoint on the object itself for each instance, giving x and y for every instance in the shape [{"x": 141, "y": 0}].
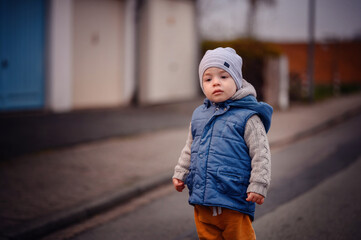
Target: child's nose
[{"x": 216, "y": 81}]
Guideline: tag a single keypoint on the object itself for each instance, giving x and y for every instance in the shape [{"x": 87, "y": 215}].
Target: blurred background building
[{"x": 61, "y": 55}]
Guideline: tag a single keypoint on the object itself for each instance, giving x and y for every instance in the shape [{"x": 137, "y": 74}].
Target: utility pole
[{"x": 311, "y": 49}]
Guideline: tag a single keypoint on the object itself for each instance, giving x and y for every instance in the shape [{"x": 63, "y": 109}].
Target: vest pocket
[{"x": 232, "y": 181}]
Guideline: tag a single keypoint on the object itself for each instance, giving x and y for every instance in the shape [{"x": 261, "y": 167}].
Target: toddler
[{"x": 226, "y": 162}]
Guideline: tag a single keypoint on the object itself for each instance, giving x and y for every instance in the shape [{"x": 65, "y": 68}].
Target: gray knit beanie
[{"x": 224, "y": 58}]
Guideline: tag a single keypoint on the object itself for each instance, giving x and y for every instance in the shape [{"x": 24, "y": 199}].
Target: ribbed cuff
[
  {"x": 257, "y": 188},
  {"x": 180, "y": 175}
]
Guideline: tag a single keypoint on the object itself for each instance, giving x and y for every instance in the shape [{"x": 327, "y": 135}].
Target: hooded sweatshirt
[{"x": 255, "y": 139}]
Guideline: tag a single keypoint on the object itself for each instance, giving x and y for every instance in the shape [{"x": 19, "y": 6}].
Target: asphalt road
[{"x": 315, "y": 194}]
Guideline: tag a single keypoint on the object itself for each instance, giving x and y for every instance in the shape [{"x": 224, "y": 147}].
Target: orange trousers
[{"x": 228, "y": 225}]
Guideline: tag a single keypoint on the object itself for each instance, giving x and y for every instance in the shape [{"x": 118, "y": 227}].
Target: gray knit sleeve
[
  {"x": 259, "y": 151},
  {"x": 181, "y": 170}
]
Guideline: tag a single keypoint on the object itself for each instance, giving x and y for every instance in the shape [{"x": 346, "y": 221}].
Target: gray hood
[{"x": 244, "y": 91}]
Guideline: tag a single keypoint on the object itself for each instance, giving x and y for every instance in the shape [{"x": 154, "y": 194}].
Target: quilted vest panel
[{"x": 220, "y": 163}]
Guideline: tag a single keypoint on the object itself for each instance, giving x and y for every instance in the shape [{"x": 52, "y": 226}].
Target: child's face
[{"x": 218, "y": 85}]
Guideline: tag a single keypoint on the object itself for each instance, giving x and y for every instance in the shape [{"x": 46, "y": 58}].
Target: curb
[{"x": 41, "y": 227}]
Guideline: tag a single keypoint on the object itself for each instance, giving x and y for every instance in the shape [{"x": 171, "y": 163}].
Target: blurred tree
[
  {"x": 252, "y": 13},
  {"x": 229, "y": 19}
]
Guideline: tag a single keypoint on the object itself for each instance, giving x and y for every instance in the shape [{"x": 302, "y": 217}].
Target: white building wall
[
  {"x": 59, "y": 57},
  {"x": 98, "y": 40},
  {"x": 168, "y": 52},
  {"x": 130, "y": 51},
  {"x": 277, "y": 82},
  {"x": 98, "y": 57}
]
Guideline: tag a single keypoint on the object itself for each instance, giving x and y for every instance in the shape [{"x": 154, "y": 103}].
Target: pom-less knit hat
[{"x": 224, "y": 58}]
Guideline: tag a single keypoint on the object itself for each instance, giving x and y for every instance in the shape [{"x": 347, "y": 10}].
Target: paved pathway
[{"x": 329, "y": 211}]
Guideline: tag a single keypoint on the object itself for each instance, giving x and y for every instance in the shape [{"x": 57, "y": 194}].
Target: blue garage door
[{"x": 22, "y": 54}]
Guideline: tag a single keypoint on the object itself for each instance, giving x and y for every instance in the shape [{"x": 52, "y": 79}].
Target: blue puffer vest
[{"x": 220, "y": 162}]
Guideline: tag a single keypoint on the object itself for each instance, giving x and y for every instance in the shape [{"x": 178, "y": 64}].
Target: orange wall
[{"x": 342, "y": 60}]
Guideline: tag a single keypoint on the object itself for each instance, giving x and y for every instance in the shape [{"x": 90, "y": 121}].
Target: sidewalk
[
  {"x": 34, "y": 131},
  {"x": 47, "y": 190}
]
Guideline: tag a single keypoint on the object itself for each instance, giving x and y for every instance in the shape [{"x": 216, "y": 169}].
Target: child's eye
[
  {"x": 207, "y": 80},
  {"x": 224, "y": 77}
]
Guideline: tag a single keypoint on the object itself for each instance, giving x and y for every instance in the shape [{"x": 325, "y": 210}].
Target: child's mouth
[{"x": 216, "y": 92}]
